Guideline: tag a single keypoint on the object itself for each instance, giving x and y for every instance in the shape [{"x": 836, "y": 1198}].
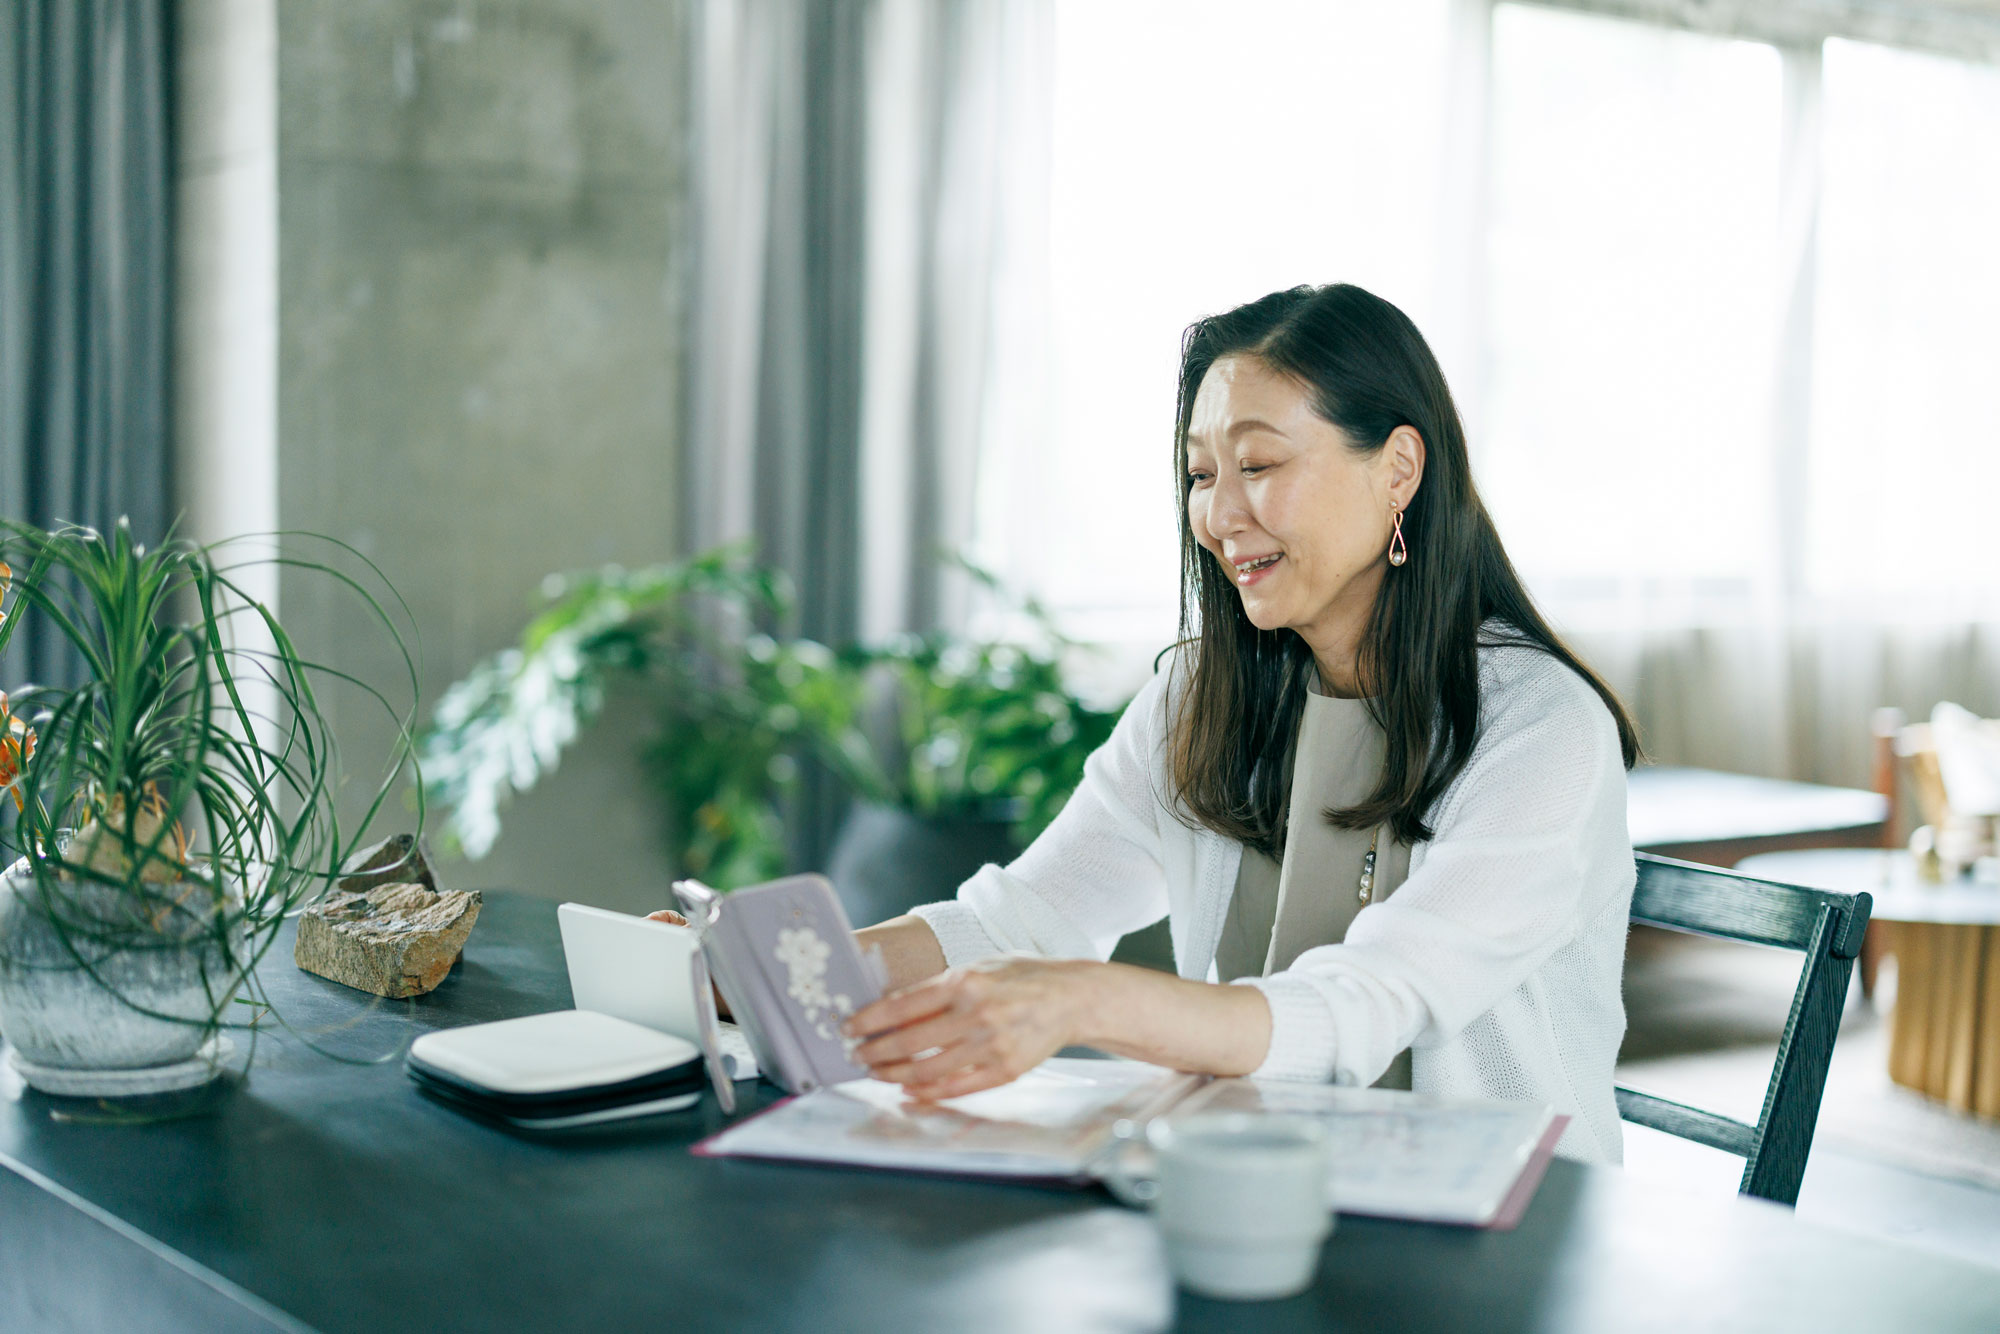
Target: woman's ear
[{"x": 1405, "y": 451}]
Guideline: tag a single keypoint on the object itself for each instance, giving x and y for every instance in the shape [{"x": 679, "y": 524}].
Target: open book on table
[{"x": 1396, "y": 1154}]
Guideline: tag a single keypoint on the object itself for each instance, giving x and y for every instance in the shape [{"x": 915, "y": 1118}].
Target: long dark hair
[{"x": 1368, "y": 371}]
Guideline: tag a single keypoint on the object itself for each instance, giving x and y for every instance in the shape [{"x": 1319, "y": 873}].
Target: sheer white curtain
[
  {"x": 1742, "y": 298},
  {"x": 1717, "y": 310},
  {"x": 1198, "y": 155}
]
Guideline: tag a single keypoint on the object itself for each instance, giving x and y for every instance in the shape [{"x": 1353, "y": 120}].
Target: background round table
[{"x": 1944, "y": 1037}]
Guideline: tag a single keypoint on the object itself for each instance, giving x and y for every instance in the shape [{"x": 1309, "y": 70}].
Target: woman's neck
[
  {"x": 1339, "y": 664},
  {"x": 1335, "y": 638}
]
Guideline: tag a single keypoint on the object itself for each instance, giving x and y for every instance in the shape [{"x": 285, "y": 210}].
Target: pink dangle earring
[{"x": 1398, "y": 553}]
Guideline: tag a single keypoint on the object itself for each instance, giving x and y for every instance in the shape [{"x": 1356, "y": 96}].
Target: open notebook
[{"x": 1396, "y": 1155}]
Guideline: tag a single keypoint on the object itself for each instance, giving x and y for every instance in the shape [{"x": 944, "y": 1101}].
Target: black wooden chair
[{"x": 1828, "y": 928}]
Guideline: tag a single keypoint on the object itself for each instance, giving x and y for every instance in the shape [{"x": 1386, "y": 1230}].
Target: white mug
[{"x": 1241, "y": 1199}]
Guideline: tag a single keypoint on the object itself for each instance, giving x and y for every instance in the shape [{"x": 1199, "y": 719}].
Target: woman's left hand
[{"x": 974, "y": 1027}]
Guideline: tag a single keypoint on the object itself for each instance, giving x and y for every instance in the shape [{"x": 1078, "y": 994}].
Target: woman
[{"x": 1381, "y": 805}]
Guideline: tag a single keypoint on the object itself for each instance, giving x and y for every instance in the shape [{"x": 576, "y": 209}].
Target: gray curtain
[
  {"x": 775, "y": 366},
  {"x": 86, "y": 206},
  {"x": 846, "y": 186},
  {"x": 849, "y": 170}
]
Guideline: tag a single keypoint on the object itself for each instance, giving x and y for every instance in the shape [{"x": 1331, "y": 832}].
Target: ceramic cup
[{"x": 1241, "y": 1201}]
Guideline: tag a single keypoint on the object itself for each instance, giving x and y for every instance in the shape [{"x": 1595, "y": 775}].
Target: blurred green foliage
[{"x": 936, "y": 725}]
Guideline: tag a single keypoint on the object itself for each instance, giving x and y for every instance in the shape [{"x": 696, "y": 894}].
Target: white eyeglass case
[
  {"x": 643, "y": 1029},
  {"x": 557, "y": 1072},
  {"x": 570, "y": 1053}
]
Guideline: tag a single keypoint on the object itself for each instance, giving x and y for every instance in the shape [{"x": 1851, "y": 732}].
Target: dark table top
[
  {"x": 1890, "y": 877},
  {"x": 1669, "y": 808},
  {"x": 331, "y": 1196}
]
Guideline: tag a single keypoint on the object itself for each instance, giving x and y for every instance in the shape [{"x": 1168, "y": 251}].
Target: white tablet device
[{"x": 631, "y": 968}]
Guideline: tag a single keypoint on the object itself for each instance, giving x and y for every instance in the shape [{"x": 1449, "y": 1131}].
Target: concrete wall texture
[{"x": 480, "y": 277}]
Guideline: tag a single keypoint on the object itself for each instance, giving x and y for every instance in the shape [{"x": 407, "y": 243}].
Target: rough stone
[
  {"x": 387, "y": 928},
  {"x": 397, "y": 860}
]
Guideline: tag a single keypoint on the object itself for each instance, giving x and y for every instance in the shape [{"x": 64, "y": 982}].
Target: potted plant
[
  {"x": 167, "y": 811},
  {"x": 956, "y": 751},
  {"x": 981, "y": 744}
]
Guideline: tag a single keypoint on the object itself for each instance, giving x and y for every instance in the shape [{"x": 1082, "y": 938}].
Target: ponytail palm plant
[{"x": 171, "y": 806}]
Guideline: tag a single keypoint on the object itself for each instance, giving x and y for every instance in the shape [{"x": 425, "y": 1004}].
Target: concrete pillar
[{"x": 432, "y": 283}]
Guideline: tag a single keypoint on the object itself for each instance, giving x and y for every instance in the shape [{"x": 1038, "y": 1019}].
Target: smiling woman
[
  {"x": 1371, "y": 786},
  {"x": 1317, "y": 426}
]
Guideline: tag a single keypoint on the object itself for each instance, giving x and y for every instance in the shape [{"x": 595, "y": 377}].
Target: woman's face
[{"x": 1298, "y": 518}]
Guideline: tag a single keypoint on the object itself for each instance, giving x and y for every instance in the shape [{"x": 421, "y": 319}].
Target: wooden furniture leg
[
  {"x": 1967, "y": 946},
  {"x": 1910, "y": 1020},
  {"x": 1986, "y": 1079},
  {"x": 1944, "y": 1034},
  {"x": 1944, "y": 958}
]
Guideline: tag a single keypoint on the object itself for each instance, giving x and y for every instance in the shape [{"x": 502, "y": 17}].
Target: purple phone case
[{"x": 791, "y": 949}]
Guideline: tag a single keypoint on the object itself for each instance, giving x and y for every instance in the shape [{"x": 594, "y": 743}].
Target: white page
[
  {"x": 1049, "y": 1123},
  {"x": 1395, "y": 1154},
  {"x": 1399, "y": 1154}
]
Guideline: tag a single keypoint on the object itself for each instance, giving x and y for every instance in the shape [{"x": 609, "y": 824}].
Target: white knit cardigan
[{"x": 1497, "y": 962}]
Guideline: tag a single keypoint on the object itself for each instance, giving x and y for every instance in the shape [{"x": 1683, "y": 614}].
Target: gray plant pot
[
  {"x": 887, "y": 861},
  {"x": 78, "y": 1030}
]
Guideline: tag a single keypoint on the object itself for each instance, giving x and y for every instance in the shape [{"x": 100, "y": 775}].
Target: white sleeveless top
[{"x": 1279, "y": 911}]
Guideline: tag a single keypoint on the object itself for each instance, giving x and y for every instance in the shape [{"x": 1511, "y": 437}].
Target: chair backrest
[
  {"x": 1827, "y": 928},
  {"x": 1906, "y": 760}
]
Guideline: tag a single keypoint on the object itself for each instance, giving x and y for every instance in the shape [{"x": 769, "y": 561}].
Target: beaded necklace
[{"x": 1367, "y": 887}]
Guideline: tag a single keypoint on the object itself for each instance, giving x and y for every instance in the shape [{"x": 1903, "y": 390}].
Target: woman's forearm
[
  {"x": 1171, "y": 1021},
  {"x": 910, "y": 951},
  {"x": 987, "y": 1023},
  {"x": 948, "y": 1033}
]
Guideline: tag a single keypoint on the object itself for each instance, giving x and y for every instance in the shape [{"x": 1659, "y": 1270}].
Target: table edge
[{"x": 190, "y": 1268}]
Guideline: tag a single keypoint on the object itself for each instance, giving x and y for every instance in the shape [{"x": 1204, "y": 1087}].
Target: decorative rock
[
  {"x": 396, "y": 860},
  {"x": 387, "y": 928}
]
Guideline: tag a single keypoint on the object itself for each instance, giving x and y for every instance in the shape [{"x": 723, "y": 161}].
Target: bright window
[
  {"x": 1198, "y": 162},
  {"x": 1647, "y": 215},
  {"x": 1905, "y": 471},
  {"x": 1633, "y": 276}
]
